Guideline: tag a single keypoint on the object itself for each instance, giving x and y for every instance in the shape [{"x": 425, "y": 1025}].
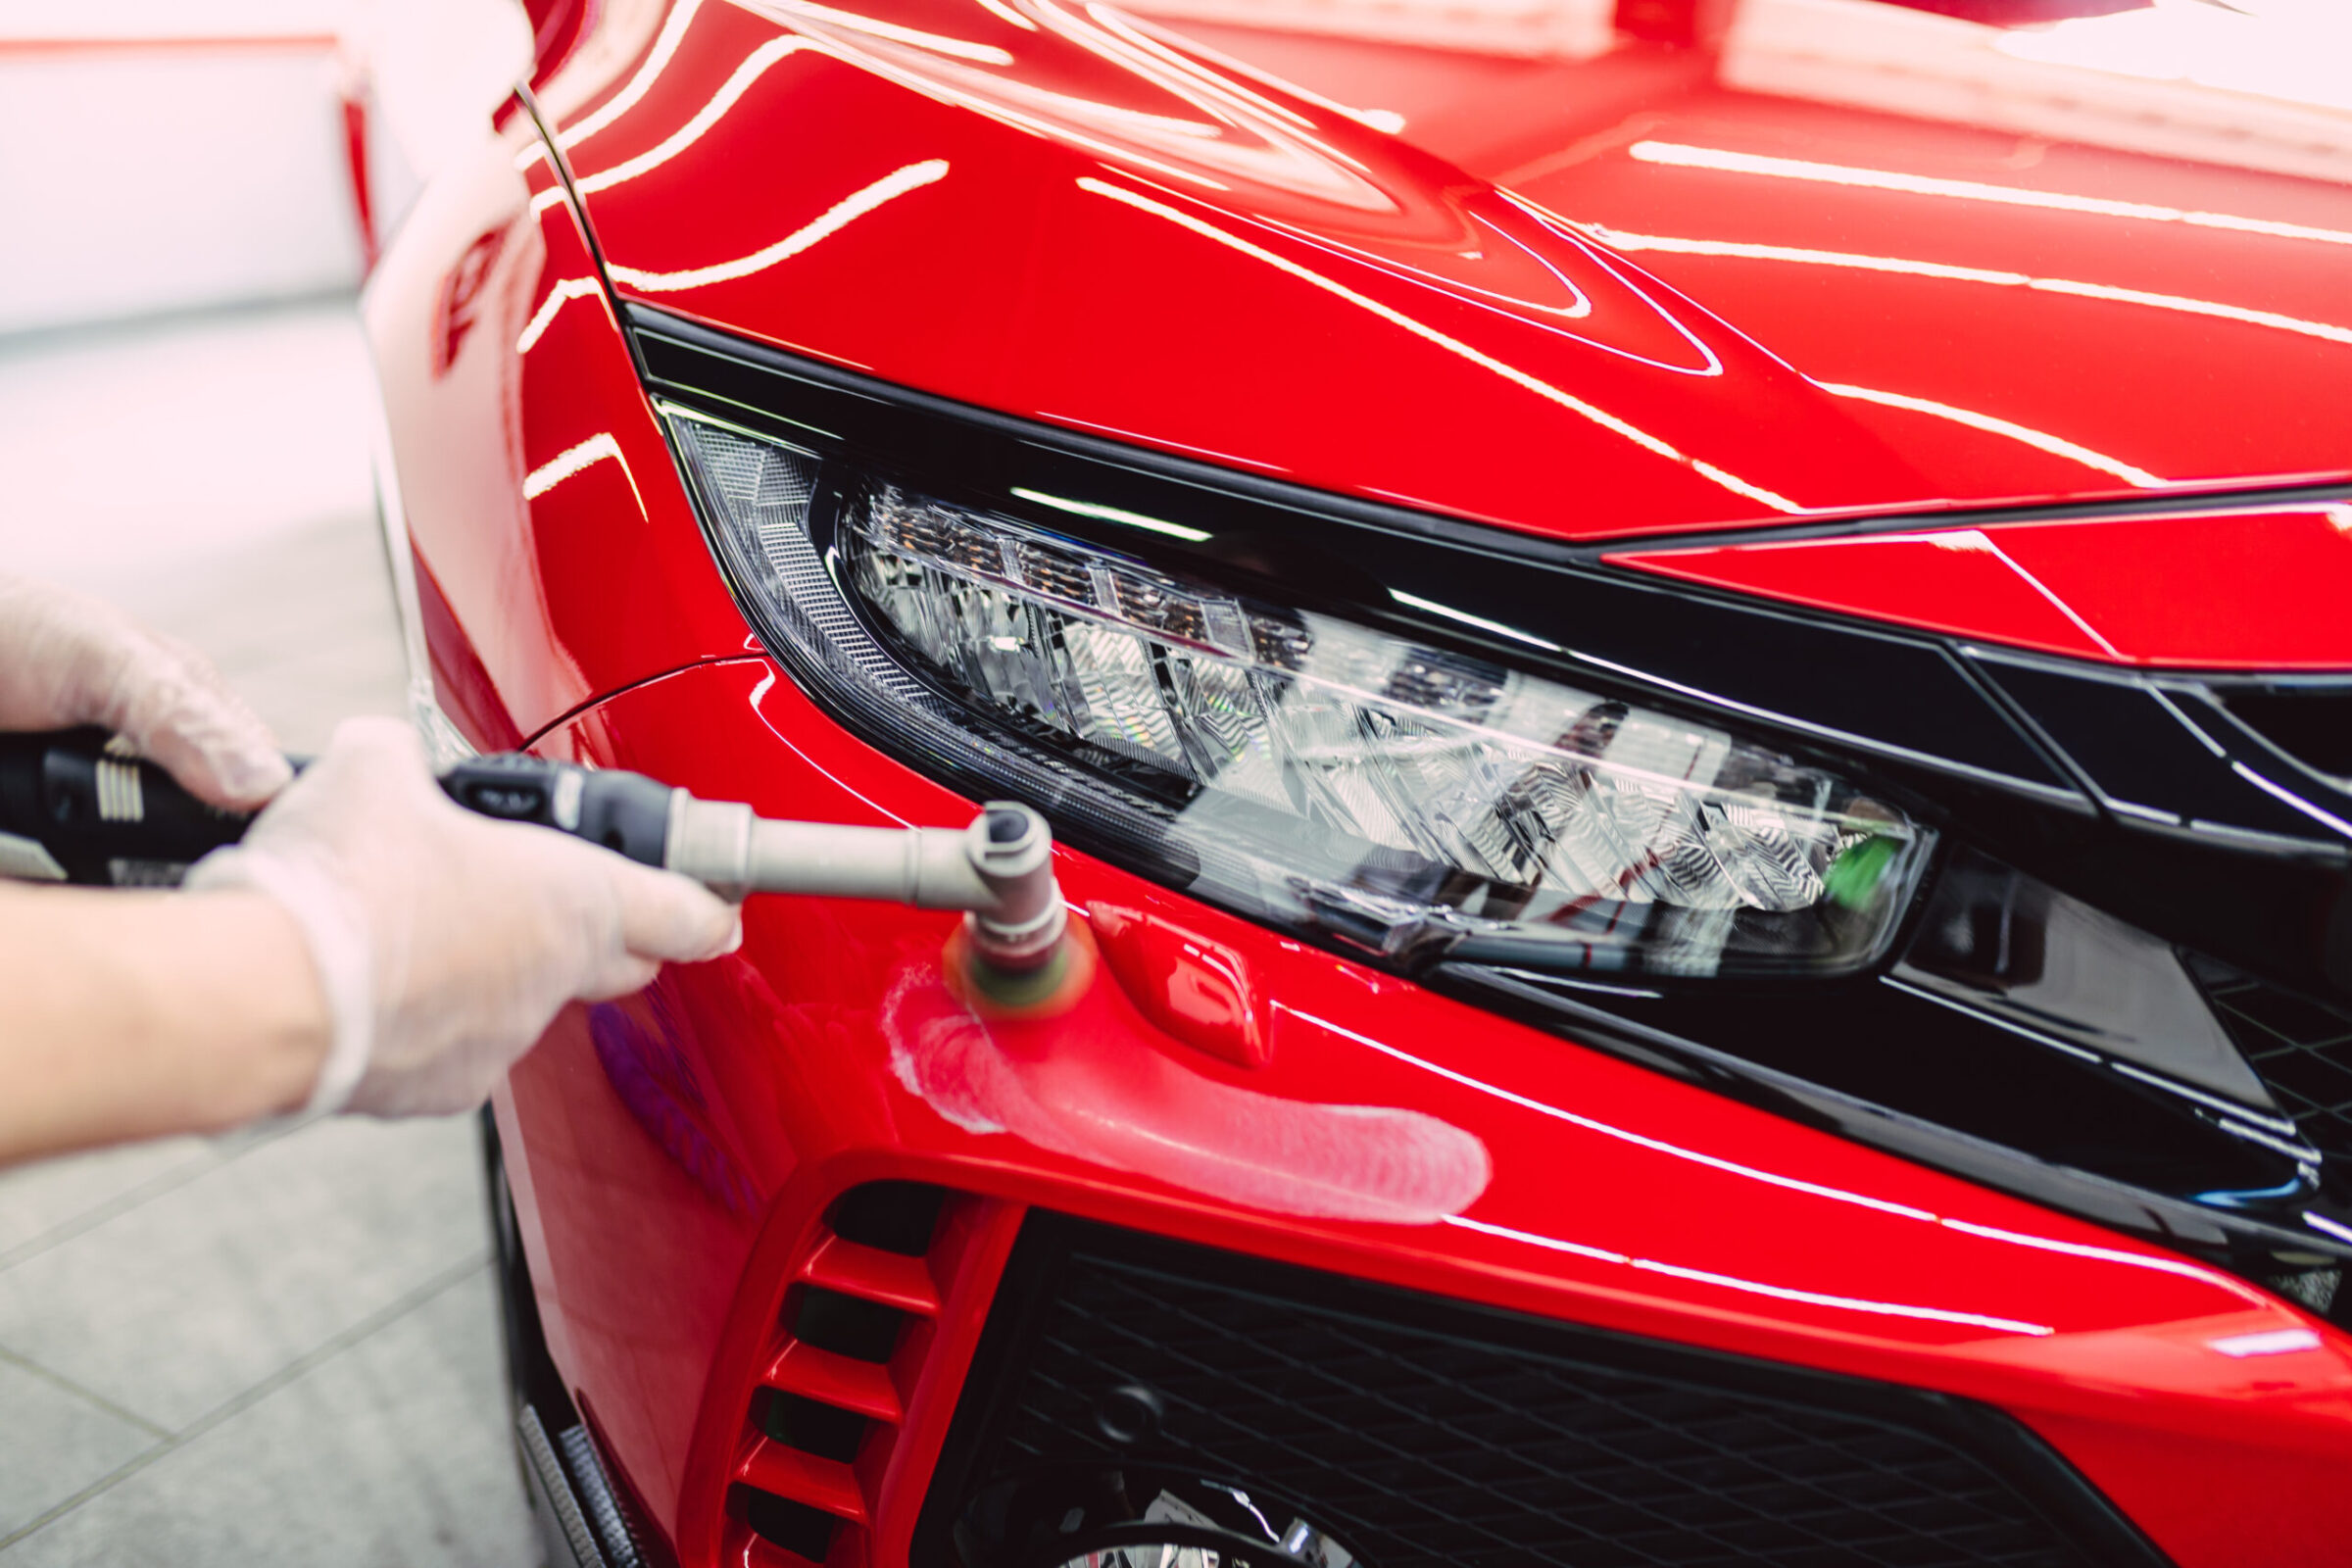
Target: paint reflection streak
[
  {"x": 755, "y": 66},
  {"x": 1385, "y": 120},
  {"x": 985, "y": 54},
  {"x": 1619, "y": 239},
  {"x": 1676, "y": 155},
  {"x": 1639, "y": 1140},
  {"x": 656, "y": 60},
  {"x": 563, "y": 293},
  {"x": 2179, "y": 1267},
  {"x": 831, "y": 221},
  {"x": 1778, "y": 1293},
  {"x": 1429, "y": 334},
  {"x": 597, "y": 448},
  {"x": 2056, "y": 446}
]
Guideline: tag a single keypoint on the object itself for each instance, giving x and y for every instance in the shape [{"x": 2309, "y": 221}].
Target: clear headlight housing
[{"x": 1297, "y": 767}]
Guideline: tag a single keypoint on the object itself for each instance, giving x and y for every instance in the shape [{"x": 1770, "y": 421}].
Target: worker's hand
[
  {"x": 447, "y": 942},
  {"x": 67, "y": 658}
]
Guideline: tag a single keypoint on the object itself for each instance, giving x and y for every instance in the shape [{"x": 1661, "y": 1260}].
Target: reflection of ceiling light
[
  {"x": 1991, "y": 425},
  {"x": 1564, "y": 30},
  {"x": 2293, "y": 51},
  {"x": 2182, "y": 78},
  {"x": 1678, "y": 156},
  {"x": 1745, "y": 250}
]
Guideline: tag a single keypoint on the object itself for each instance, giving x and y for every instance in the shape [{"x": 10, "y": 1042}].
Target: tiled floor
[{"x": 279, "y": 1347}]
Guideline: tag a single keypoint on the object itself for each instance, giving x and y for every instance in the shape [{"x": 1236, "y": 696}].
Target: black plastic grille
[
  {"x": 1424, "y": 1433},
  {"x": 2301, "y": 1050}
]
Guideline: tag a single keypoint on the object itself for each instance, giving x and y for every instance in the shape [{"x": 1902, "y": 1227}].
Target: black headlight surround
[{"x": 1938, "y": 725}]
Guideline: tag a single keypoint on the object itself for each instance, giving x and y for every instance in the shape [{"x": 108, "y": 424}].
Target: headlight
[{"x": 1300, "y": 767}]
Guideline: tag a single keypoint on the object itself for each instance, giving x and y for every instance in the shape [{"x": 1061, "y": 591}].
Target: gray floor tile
[
  {"x": 37, "y": 1200},
  {"x": 173, "y": 1307},
  {"x": 392, "y": 1453},
  {"x": 80, "y": 1443},
  {"x": 211, "y": 1289}
]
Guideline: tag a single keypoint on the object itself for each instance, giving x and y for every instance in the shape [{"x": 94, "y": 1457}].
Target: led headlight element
[{"x": 1316, "y": 772}]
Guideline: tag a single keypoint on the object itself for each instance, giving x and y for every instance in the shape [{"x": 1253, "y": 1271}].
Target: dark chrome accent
[{"x": 2258, "y": 1244}]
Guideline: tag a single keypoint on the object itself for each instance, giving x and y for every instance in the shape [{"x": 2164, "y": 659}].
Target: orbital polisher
[{"x": 76, "y": 806}]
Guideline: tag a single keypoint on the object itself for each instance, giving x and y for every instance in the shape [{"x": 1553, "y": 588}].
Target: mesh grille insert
[
  {"x": 2301, "y": 1050},
  {"x": 1425, "y": 1433}
]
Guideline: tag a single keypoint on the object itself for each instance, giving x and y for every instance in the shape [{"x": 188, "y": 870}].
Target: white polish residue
[
  {"x": 1103, "y": 1095},
  {"x": 2275, "y": 1342}
]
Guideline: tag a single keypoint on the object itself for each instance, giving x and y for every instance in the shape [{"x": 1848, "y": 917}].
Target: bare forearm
[{"x": 128, "y": 1015}]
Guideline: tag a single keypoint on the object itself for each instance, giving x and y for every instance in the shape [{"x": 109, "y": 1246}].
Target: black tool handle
[
  {"x": 627, "y": 813},
  {"x": 75, "y": 807}
]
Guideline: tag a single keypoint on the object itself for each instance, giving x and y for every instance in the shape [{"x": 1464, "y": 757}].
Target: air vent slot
[
  {"x": 2313, "y": 725},
  {"x": 898, "y": 1217},
  {"x": 862, "y": 1331},
  {"x": 798, "y": 1527},
  {"x": 811, "y": 1426}
]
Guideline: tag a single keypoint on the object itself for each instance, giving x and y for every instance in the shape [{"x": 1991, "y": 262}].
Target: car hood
[{"x": 1072, "y": 214}]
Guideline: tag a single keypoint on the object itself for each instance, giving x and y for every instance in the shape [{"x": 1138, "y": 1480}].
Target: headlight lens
[{"x": 1303, "y": 769}]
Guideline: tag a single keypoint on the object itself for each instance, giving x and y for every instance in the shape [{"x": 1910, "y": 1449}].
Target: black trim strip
[
  {"x": 2225, "y": 497},
  {"x": 2244, "y": 1242}
]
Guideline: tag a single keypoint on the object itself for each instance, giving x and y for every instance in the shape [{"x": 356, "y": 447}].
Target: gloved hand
[
  {"x": 446, "y": 941},
  {"x": 67, "y": 658}
]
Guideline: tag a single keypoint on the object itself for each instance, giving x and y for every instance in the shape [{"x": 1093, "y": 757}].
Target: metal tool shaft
[{"x": 1000, "y": 869}]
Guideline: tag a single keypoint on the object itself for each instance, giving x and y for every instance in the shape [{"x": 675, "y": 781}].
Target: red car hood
[{"x": 1742, "y": 310}]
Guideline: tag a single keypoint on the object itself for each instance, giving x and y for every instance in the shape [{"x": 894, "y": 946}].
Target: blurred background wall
[
  {"x": 190, "y": 191},
  {"x": 176, "y": 154}
]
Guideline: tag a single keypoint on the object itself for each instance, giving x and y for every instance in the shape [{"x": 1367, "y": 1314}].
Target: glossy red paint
[
  {"x": 532, "y": 471},
  {"x": 2170, "y": 590},
  {"x": 1722, "y": 1225},
  {"x": 1350, "y": 267},
  {"x": 1195, "y": 987},
  {"x": 1628, "y": 347}
]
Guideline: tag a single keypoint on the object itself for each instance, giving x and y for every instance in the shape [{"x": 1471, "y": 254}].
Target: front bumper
[{"x": 680, "y": 1152}]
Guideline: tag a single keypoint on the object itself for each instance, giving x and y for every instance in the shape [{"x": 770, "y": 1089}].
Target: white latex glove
[
  {"x": 67, "y": 658},
  {"x": 447, "y": 942}
]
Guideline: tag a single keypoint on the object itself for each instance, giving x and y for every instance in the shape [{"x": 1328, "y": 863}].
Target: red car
[{"x": 1696, "y": 689}]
